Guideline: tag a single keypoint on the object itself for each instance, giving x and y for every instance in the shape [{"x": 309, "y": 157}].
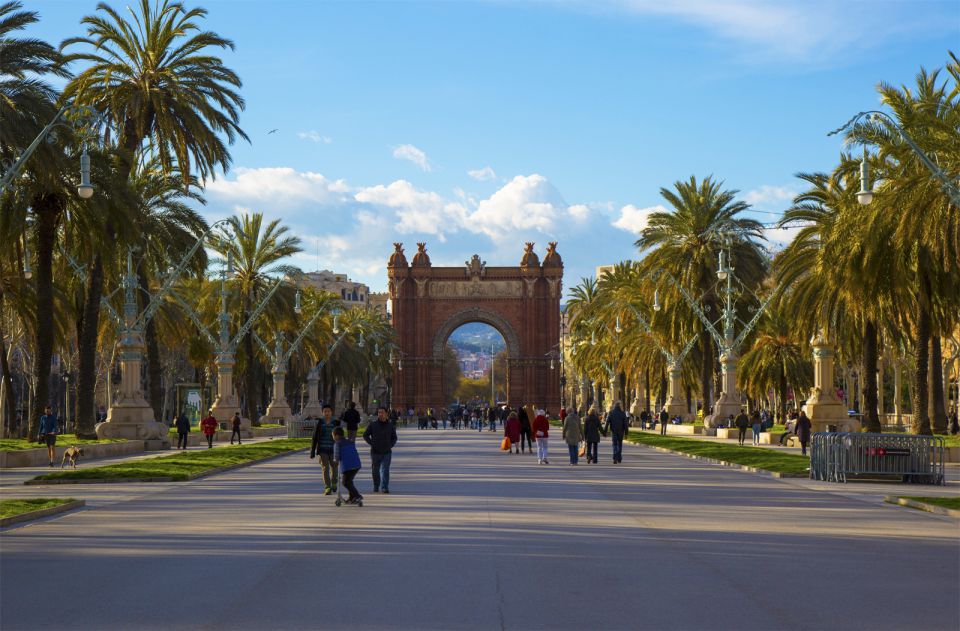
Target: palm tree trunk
[
  {"x": 870, "y": 356},
  {"x": 10, "y": 411},
  {"x": 921, "y": 421},
  {"x": 782, "y": 390},
  {"x": 250, "y": 379},
  {"x": 646, "y": 389},
  {"x": 938, "y": 405},
  {"x": 48, "y": 209},
  {"x": 88, "y": 327}
]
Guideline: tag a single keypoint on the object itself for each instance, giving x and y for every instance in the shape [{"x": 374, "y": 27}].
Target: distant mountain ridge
[{"x": 476, "y": 337}]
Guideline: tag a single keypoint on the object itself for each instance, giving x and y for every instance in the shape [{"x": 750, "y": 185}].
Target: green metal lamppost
[{"x": 865, "y": 195}]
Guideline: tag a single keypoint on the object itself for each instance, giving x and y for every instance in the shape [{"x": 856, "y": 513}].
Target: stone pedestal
[
  {"x": 130, "y": 416},
  {"x": 313, "y": 408},
  {"x": 636, "y": 407},
  {"x": 279, "y": 410},
  {"x": 823, "y": 407},
  {"x": 729, "y": 401},
  {"x": 676, "y": 403},
  {"x": 227, "y": 404}
]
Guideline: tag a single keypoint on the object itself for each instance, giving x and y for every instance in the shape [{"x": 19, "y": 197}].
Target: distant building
[
  {"x": 352, "y": 294},
  {"x": 603, "y": 269}
]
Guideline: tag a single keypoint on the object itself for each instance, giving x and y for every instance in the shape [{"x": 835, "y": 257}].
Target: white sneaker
[{"x": 539, "y": 461}]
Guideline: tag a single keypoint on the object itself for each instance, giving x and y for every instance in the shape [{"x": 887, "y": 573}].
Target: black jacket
[
  {"x": 742, "y": 421},
  {"x": 381, "y": 436},
  {"x": 351, "y": 418},
  {"x": 591, "y": 428},
  {"x": 616, "y": 421},
  {"x": 524, "y": 420},
  {"x": 183, "y": 424}
]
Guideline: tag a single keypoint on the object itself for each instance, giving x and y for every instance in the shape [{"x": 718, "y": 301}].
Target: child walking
[{"x": 345, "y": 456}]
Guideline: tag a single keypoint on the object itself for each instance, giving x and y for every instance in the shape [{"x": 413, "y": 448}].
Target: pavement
[{"x": 474, "y": 538}]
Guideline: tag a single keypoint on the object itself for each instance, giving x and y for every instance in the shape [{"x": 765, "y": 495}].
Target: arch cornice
[{"x": 476, "y": 314}]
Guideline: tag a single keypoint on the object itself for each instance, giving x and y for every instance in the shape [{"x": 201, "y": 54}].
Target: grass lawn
[
  {"x": 182, "y": 465},
  {"x": 63, "y": 440},
  {"x": 945, "y": 502},
  {"x": 268, "y": 426},
  {"x": 766, "y": 459},
  {"x": 9, "y": 508},
  {"x": 950, "y": 440}
]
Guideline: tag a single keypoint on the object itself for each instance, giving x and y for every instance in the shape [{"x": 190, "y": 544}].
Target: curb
[
  {"x": 724, "y": 463},
  {"x": 44, "y": 512},
  {"x": 193, "y": 476},
  {"x": 930, "y": 508}
]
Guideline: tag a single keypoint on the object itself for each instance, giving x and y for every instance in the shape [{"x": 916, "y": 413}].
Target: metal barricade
[
  {"x": 839, "y": 456},
  {"x": 301, "y": 428}
]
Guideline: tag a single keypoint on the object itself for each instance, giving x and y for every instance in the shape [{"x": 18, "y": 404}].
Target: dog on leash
[{"x": 72, "y": 454}]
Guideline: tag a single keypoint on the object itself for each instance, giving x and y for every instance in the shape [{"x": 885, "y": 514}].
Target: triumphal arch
[{"x": 522, "y": 303}]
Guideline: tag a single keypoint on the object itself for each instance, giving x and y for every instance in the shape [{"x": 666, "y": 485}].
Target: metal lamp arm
[
  {"x": 253, "y": 317},
  {"x": 172, "y": 277},
  {"x": 646, "y": 327},
  {"x": 263, "y": 345},
  {"x": 696, "y": 309},
  {"x": 950, "y": 187},
  {"x": 753, "y": 321},
  {"x": 194, "y": 317},
  {"x": 296, "y": 342}
]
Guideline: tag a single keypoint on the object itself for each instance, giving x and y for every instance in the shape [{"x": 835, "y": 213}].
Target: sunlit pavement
[{"x": 475, "y": 538}]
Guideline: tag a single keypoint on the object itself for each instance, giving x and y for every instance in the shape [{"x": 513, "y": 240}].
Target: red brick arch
[{"x": 522, "y": 303}]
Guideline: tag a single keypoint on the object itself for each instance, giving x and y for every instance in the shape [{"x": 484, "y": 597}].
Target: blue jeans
[
  {"x": 574, "y": 453},
  {"x": 381, "y": 470},
  {"x": 617, "y": 447}
]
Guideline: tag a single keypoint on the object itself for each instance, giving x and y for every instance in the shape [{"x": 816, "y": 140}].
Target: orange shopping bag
[
  {"x": 583, "y": 450},
  {"x": 505, "y": 445}
]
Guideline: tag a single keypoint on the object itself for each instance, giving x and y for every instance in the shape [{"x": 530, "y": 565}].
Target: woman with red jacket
[
  {"x": 511, "y": 429},
  {"x": 541, "y": 431},
  {"x": 209, "y": 428}
]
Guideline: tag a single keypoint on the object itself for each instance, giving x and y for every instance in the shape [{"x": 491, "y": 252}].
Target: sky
[{"x": 475, "y": 126}]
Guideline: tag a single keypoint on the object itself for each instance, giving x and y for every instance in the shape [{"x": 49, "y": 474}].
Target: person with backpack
[
  {"x": 617, "y": 427},
  {"x": 183, "y": 430},
  {"x": 591, "y": 434},
  {"x": 236, "y": 429},
  {"x": 322, "y": 445},
  {"x": 742, "y": 423},
  {"x": 541, "y": 431},
  {"x": 664, "y": 417},
  {"x": 381, "y": 435},
  {"x": 351, "y": 419},
  {"x": 347, "y": 461}
]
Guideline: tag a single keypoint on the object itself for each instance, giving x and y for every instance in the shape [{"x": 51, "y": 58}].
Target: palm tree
[
  {"x": 927, "y": 224},
  {"x": 156, "y": 83},
  {"x": 687, "y": 240},
  {"x": 257, "y": 250}
]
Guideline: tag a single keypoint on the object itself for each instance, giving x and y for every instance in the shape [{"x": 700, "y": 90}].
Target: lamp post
[
  {"x": 85, "y": 188},
  {"x": 728, "y": 342},
  {"x": 865, "y": 195}
]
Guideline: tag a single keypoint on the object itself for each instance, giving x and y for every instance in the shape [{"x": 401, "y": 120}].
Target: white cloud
[
  {"x": 414, "y": 155},
  {"x": 420, "y": 211},
  {"x": 315, "y": 136},
  {"x": 483, "y": 175},
  {"x": 279, "y": 186},
  {"x": 633, "y": 219},
  {"x": 767, "y": 196},
  {"x": 527, "y": 202}
]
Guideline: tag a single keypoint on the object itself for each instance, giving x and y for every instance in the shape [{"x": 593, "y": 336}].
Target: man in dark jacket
[
  {"x": 664, "y": 417},
  {"x": 322, "y": 444},
  {"x": 351, "y": 419},
  {"x": 616, "y": 423},
  {"x": 381, "y": 435},
  {"x": 183, "y": 429},
  {"x": 742, "y": 423}
]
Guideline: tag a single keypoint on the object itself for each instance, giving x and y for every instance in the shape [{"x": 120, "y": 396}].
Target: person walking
[
  {"x": 209, "y": 427},
  {"x": 803, "y": 431},
  {"x": 742, "y": 423},
  {"x": 526, "y": 431},
  {"x": 322, "y": 445},
  {"x": 48, "y": 432},
  {"x": 591, "y": 434},
  {"x": 347, "y": 460},
  {"x": 511, "y": 429},
  {"x": 572, "y": 435},
  {"x": 664, "y": 417},
  {"x": 236, "y": 428},
  {"x": 183, "y": 430},
  {"x": 617, "y": 427},
  {"x": 541, "y": 431},
  {"x": 381, "y": 435},
  {"x": 351, "y": 419},
  {"x": 757, "y": 426}
]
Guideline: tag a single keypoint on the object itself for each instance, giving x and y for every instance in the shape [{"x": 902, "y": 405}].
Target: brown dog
[{"x": 72, "y": 454}]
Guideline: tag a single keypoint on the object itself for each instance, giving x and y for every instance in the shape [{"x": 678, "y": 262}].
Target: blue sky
[{"x": 476, "y": 126}]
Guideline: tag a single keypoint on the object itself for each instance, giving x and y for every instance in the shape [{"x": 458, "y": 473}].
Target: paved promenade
[{"x": 472, "y": 538}]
